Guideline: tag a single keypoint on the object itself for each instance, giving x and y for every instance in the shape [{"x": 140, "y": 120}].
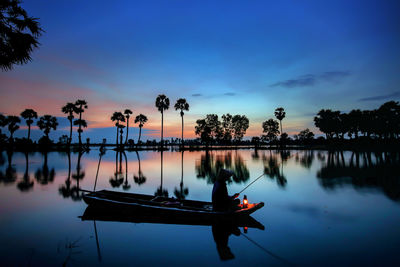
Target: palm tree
[
  {"x": 280, "y": 115},
  {"x": 118, "y": 117},
  {"x": 80, "y": 105},
  {"x": 141, "y": 119},
  {"x": 12, "y": 122},
  {"x": 29, "y": 115},
  {"x": 69, "y": 109},
  {"x": 162, "y": 103},
  {"x": 182, "y": 105},
  {"x": 127, "y": 113},
  {"x": 46, "y": 123}
]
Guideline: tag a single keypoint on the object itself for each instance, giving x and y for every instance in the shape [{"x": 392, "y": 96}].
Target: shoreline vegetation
[{"x": 377, "y": 129}]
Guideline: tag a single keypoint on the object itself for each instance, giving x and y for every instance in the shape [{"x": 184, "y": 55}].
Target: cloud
[
  {"x": 381, "y": 97},
  {"x": 197, "y": 95},
  {"x": 230, "y": 94},
  {"x": 312, "y": 79}
]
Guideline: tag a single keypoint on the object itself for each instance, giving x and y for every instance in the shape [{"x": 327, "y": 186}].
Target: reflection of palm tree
[
  {"x": 271, "y": 169},
  {"x": 160, "y": 191},
  {"x": 162, "y": 103},
  {"x": 65, "y": 190},
  {"x": 117, "y": 180},
  {"x": 26, "y": 184},
  {"x": 140, "y": 179},
  {"x": 126, "y": 186},
  {"x": 183, "y": 192},
  {"x": 10, "y": 176},
  {"x": 44, "y": 175}
]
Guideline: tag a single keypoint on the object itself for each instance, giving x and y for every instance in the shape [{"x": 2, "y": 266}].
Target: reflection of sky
[{"x": 229, "y": 56}]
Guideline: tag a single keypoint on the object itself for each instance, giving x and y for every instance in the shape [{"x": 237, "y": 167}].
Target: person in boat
[{"x": 221, "y": 201}]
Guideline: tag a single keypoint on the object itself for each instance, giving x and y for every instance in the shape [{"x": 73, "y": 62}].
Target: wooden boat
[
  {"x": 130, "y": 204},
  {"x": 93, "y": 213}
]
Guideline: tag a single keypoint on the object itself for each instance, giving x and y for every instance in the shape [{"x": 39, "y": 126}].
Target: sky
[{"x": 237, "y": 57}]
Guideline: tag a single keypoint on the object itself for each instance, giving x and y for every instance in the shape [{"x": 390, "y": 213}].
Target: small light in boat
[{"x": 245, "y": 202}]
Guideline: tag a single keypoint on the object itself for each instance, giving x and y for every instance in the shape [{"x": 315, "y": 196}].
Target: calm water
[{"x": 321, "y": 208}]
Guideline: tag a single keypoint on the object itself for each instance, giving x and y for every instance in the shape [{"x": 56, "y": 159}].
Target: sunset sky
[{"x": 238, "y": 57}]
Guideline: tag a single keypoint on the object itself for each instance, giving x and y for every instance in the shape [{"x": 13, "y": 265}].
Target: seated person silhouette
[{"x": 221, "y": 201}]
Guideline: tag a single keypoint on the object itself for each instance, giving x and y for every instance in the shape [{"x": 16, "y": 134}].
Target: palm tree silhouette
[
  {"x": 26, "y": 184},
  {"x": 280, "y": 115},
  {"x": 46, "y": 123},
  {"x": 66, "y": 190},
  {"x": 80, "y": 106},
  {"x": 69, "y": 109},
  {"x": 141, "y": 119},
  {"x": 117, "y": 180},
  {"x": 127, "y": 113},
  {"x": 44, "y": 175},
  {"x": 12, "y": 122},
  {"x": 140, "y": 179},
  {"x": 118, "y": 117},
  {"x": 182, "y": 105},
  {"x": 162, "y": 103},
  {"x": 29, "y": 115},
  {"x": 126, "y": 185}
]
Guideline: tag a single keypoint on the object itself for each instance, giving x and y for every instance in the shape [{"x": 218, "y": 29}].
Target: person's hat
[{"x": 225, "y": 174}]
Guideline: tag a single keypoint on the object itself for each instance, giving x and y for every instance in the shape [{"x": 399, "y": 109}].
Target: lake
[{"x": 321, "y": 208}]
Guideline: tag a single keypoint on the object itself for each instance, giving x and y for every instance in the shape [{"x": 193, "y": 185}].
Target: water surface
[{"x": 321, "y": 208}]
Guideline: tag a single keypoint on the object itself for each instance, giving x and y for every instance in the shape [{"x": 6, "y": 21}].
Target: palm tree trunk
[
  {"x": 70, "y": 132},
  {"x": 162, "y": 128},
  {"x": 117, "y": 136},
  {"x": 29, "y": 132},
  {"x": 140, "y": 133},
  {"x": 127, "y": 131},
  {"x": 79, "y": 131},
  {"x": 281, "y": 126},
  {"x": 182, "y": 131}
]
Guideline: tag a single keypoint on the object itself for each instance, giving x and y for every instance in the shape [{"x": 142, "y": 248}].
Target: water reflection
[
  {"x": 210, "y": 163},
  {"x": 379, "y": 170},
  {"x": 140, "y": 178},
  {"x": 118, "y": 179},
  {"x": 273, "y": 168},
  {"x": 10, "y": 175},
  {"x": 26, "y": 184},
  {"x": 221, "y": 233},
  {"x": 44, "y": 175},
  {"x": 160, "y": 191},
  {"x": 182, "y": 192}
]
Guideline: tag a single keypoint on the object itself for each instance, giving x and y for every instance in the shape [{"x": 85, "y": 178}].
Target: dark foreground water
[{"x": 321, "y": 208}]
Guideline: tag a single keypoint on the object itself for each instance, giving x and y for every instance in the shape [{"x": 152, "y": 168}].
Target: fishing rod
[
  {"x": 252, "y": 182},
  {"x": 267, "y": 251}
]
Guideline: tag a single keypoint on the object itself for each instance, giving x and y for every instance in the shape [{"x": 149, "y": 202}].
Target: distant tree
[
  {"x": 127, "y": 113},
  {"x": 182, "y": 105},
  {"x": 46, "y": 123},
  {"x": 162, "y": 103},
  {"x": 141, "y": 119},
  {"x": 118, "y": 117},
  {"x": 355, "y": 117},
  {"x": 70, "y": 109},
  {"x": 388, "y": 115},
  {"x": 328, "y": 122},
  {"x": 305, "y": 135},
  {"x": 271, "y": 129},
  {"x": 240, "y": 125},
  {"x": 227, "y": 127},
  {"x": 3, "y": 122},
  {"x": 19, "y": 34},
  {"x": 12, "y": 122},
  {"x": 29, "y": 115},
  {"x": 80, "y": 105},
  {"x": 280, "y": 115},
  {"x": 209, "y": 128}
]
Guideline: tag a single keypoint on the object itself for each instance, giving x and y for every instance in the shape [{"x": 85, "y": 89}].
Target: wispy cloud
[
  {"x": 381, "y": 97},
  {"x": 197, "y": 95},
  {"x": 312, "y": 79},
  {"x": 230, "y": 94}
]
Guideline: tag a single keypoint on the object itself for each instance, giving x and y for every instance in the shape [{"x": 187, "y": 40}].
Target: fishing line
[{"x": 252, "y": 183}]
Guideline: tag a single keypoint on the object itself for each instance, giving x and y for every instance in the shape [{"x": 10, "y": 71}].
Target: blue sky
[{"x": 241, "y": 57}]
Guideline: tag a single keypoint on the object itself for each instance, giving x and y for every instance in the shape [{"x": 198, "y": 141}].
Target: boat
[
  {"x": 130, "y": 204},
  {"x": 93, "y": 213}
]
